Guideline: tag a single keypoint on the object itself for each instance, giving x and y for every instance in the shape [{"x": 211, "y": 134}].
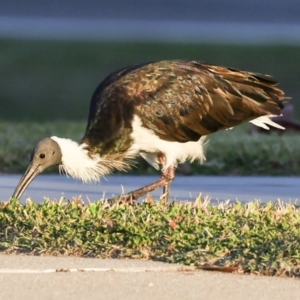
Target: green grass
[
  {"x": 239, "y": 153},
  {"x": 253, "y": 238},
  {"x": 46, "y": 80},
  {"x": 233, "y": 152}
]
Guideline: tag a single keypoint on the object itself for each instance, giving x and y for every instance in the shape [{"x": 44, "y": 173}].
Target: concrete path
[
  {"x": 219, "y": 188},
  {"x": 25, "y": 277}
]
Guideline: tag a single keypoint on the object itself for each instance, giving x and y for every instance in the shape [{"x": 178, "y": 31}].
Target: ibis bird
[{"x": 161, "y": 111}]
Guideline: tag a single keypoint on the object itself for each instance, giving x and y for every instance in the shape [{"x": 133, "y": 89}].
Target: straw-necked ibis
[{"x": 161, "y": 111}]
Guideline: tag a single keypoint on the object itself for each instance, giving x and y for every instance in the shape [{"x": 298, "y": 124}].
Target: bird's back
[{"x": 178, "y": 100}]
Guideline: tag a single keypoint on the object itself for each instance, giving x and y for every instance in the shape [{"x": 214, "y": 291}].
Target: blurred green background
[{"x": 44, "y": 80}]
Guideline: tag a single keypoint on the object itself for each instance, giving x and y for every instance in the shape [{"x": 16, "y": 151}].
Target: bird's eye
[{"x": 42, "y": 155}]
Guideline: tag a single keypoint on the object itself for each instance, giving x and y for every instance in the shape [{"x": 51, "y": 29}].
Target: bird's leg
[
  {"x": 169, "y": 175},
  {"x": 165, "y": 181},
  {"x": 134, "y": 195}
]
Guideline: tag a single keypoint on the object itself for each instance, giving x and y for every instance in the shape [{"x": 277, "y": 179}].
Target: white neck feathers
[{"x": 77, "y": 162}]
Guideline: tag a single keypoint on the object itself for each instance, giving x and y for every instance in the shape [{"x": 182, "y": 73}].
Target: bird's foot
[
  {"x": 165, "y": 181},
  {"x": 133, "y": 196},
  {"x": 125, "y": 198}
]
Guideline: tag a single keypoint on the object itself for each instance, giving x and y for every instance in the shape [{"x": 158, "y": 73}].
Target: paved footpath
[{"x": 29, "y": 277}]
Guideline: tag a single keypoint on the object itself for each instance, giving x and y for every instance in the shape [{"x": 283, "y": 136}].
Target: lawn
[{"x": 54, "y": 80}]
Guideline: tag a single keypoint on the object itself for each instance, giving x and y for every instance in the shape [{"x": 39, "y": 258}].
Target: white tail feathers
[{"x": 264, "y": 121}]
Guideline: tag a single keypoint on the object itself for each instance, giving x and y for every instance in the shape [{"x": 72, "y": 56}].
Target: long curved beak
[{"x": 31, "y": 172}]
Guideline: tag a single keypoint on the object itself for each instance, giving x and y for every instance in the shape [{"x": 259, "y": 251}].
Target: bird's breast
[{"x": 149, "y": 144}]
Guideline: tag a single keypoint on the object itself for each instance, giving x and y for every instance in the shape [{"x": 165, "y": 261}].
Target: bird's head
[{"x": 46, "y": 153}]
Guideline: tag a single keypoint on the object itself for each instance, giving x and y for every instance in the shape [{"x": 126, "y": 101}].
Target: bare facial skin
[{"x": 45, "y": 154}]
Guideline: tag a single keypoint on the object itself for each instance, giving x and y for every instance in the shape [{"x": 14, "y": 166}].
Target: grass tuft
[{"x": 253, "y": 238}]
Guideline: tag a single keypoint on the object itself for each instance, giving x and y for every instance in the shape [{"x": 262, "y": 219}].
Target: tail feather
[{"x": 264, "y": 121}]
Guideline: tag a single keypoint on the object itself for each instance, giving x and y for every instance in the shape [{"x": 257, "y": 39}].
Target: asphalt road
[
  {"x": 256, "y": 21},
  {"x": 218, "y": 188},
  {"x": 263, "y": 11}
]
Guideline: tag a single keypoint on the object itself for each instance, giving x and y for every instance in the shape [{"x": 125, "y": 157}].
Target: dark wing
[
  {"x": 178, "y": 100},
  {"x": 186, "y": 100},
  {"x": 109, "y": 116},
  {"x": 98, "y": 99}
]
